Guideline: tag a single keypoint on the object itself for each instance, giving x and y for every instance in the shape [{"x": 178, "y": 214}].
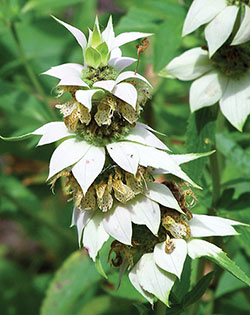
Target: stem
[
  {"x": 28, "y": 68},
  {"x": 160, "y": 308},
  {"x": 216, "y": 178},
  {"x": 36, "y": 217}
]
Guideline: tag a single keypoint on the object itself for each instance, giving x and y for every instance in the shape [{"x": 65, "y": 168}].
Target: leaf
[
  {"x": 17, "y": 138},
  {"x": 196, "y": 293},
  {"x": 47, "y": 4},
  {"x": 99, "y": 267},
  {"x": 168, "y": 39},
  {"x": 200, "y": 137},
  {"x": 226, "y": 263},
  {"x": 76, "y": 276},
  {"x": 229, "y": 283},
  {"x": 234, "y": 153}
]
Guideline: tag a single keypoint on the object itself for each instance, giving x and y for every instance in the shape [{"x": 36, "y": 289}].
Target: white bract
[
  {"x": 139, "y": 147},
  {"x": 155, "y": 273},
  {"x": 212, "y": 86},
  {"x": 221, "y": 17},
  {"x": 95, "y": 227}
]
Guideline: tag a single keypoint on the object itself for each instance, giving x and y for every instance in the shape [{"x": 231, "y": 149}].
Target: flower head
[
  {"x": 221, "y": 16},
  {"x": 225, "y": 78}
]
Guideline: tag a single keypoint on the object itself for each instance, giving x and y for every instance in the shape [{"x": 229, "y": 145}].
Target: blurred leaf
[
  {"x": 47, "y": 4},
  {"x": 200, "y": 138},
  {"x": 71, "y": 281},
  {"x": 168, "y": 39},
  {"x": 99, "y": 267},
  {"x": 233, "y": 152},
  {"x": 196, "y": 293}
]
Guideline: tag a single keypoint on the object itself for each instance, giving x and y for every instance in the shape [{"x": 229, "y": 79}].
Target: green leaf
[
  {"x": 92, "y": 57},
  {"x": 200, "y": 137},
  {"x": 181, "y": 286},
  {"x": 168, "y": 39},
  {"x": 17, "y": 138},
  {"x": 99, "y": 267},
  {"x": 76, "y": 276},
  {"x": 229, "y": 283},
  {"x": 196, "y": 293},
  {"x": 47, "y": 4},
  {"x": 234, "y": 153},
  {"x": 226, "y": 263}
]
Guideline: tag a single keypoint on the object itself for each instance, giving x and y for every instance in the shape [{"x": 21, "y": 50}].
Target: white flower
[
  {"x": 212, "y": 85},
  {"x": 154, "y": 274},
  {"x": 70, "y": 74},
  {"x": 95, "y": 227},
  {"x": 221, "y": 16},
  {"x": 139, "y": 147}
]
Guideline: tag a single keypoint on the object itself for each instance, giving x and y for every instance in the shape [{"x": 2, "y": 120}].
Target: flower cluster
[
  {"x": 110, "y": 160},
  {"x": 222, "y": 68}
]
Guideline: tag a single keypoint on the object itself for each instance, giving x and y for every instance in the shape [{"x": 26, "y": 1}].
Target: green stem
[
  {"x": 37, "y": 218},
  {"x": 160, "y": 308},
  {"x": 216, "y": 179},
  {"x": 28, "y": 68}
]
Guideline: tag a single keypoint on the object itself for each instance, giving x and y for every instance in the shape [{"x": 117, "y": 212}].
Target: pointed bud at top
[{"x": 96, "y": 38}]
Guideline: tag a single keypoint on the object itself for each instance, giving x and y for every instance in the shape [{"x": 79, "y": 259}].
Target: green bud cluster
[
  {"x": 91, "y": 75},
  {"x": 97, "y": 53}
]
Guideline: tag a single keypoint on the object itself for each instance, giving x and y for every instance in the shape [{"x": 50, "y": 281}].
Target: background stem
[{"x": 160, "y": 308}]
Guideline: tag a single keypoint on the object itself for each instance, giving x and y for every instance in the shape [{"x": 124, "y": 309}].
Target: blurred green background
[{"x": 35, "y": 238}]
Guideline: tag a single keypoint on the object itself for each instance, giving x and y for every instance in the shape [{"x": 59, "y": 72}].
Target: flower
[
  {"x": 155, "y": 272},
  {"x": 95, "y": 227},
  {"x": 225, "y": 79},
  {"x": 103, "y": 45},
  {"x": 221, "y": 16},
  {"x": 86, "y": 160}
]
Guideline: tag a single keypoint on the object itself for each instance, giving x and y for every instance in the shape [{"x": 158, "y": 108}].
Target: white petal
[
  {"x": 105, "y": 84},
  {"x": 188, "y": 66},
  {"x": 80, "y": 218},
  {"x": 94, "y": 235},
  {"x": 125, "y": 38},
  {"x": 204, "y": 225},
  {"x": 120, "y": 63},
  {"x": 115, "y": 53},
  {"x": 108, "y": 34},
  {"x": 243, "y": 34},
  {"x": 218, "y": 31},
  {"x": 66, "y": 154},
  {"x": 184, "y": 158},
  {"x": 117, "y": 223},
  {"x": 207, "y": 90},
  {"x": 69, "y": 73},
  {"x": 52, "y": 132},
  {"x": 143, "y": 136},
  {"x": 85, "y": 97},
  {"x": 163, "y": 195},
  {"x": 125, "y": 155},
  {"x": 79, "y": 36},
  {"x": 201, "y": 12},
  {"x": 153, "y": 279},
  {"x": 174, "y": 261},
  {"x": 134, "y": 280},
  {"x": 142, "y": 125},
  {"x": 147, "y": 212},
  {"x": 130, "y": 74},
  {"x": 161, "y": 160},
  {"x": 235, "y": 103},
  {"x": 127, "y": 93},
  {"x": 89, "y": 167},
  {"x": 199, "y": 248}
]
